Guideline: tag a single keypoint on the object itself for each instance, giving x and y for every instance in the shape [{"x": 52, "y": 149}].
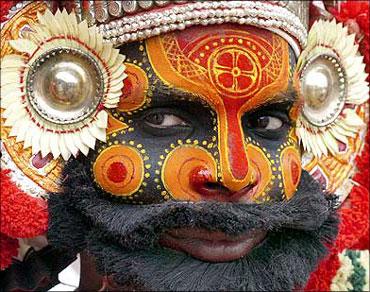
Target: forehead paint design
[
  {"x": 235, "y": 71},
  {"x": 223, "y": 64}
]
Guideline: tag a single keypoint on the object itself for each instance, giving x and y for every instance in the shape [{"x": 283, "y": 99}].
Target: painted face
[{"x": 205, "y": 114}]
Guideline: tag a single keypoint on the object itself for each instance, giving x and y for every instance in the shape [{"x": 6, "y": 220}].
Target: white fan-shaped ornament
[
  {"x": 332, "y": 82},
  {"x": 56, "y": 91}
]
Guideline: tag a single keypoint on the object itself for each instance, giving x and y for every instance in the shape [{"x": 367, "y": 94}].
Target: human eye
[
  {"x": 266, "y": 123},
  {"x": 270, "y": 124},
  {"x": 164, "y": 120}
]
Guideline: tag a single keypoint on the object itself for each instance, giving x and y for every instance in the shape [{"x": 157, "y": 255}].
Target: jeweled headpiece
[{"x": 123, "y": 21}]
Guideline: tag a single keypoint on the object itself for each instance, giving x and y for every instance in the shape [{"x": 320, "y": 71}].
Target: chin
[{"x": 281, "y": 261}]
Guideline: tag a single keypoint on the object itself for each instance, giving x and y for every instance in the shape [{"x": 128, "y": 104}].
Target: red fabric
[
  {"x": 4, "y": 9},
  {"x": 21, "y": 216},
  {"x": 320, "y": 280},
  {"x": 353, "y": 234}
]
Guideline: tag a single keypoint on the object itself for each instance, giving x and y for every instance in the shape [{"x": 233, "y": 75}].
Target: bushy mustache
[
  {"x": 124, "y": 238},
  {"x": 139, "y": 226}
]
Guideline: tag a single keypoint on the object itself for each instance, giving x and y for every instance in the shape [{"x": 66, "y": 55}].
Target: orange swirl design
[
  {"x": 291, "y": 169},
  {"x": 135, "y": 89},
  {"x": 179, "y": 167},
  {"x": 119, "y": 170}
]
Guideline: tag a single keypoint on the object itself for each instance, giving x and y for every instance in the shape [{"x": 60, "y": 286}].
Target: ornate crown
[{"x": 123, "y": 21}]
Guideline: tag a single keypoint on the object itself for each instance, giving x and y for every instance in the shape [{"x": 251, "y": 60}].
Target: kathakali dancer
[{"x": 184, "y": 145}]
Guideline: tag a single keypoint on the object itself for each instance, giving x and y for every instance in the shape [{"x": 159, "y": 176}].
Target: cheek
[
  {"x": 291, "y": 170},
  {"x": 184, "y": 167},
  {"x": 119, "y": 170}
]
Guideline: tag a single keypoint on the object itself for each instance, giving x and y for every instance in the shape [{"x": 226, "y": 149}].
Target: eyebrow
[
  {"x": 289, "y": 97},
  {"x": 177, "y": 94}
]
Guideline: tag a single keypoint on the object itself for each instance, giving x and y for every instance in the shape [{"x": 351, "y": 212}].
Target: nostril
[
  {"x": 211, "y": 185},
  {"x": 202, "y": 181},
  {"x": 217, "y": 187}
]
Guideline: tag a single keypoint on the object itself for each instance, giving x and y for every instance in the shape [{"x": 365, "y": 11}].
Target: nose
[
  {"x": 202, "y": 182},
  {"x": 236, "y": 171},
  {"x": 190, "y": 173}
]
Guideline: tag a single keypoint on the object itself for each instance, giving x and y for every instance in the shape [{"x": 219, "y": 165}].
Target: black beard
[{"x": 124, "y": 238}]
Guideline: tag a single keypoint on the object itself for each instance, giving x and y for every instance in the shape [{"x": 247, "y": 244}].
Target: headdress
[{"x": 123, "y": 21}]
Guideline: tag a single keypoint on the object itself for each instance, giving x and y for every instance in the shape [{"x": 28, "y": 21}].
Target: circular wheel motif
[{"x": 234, "y": 71}]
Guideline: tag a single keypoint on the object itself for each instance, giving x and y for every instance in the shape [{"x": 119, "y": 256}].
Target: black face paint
[{"x": 169, "y": 118}]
